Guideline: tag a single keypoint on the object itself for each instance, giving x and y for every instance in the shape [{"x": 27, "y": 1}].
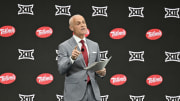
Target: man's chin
[{"x": 83, "y": 33}]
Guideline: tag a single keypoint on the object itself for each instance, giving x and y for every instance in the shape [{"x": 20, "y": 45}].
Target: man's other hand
[{"x": 101, "y": 72}]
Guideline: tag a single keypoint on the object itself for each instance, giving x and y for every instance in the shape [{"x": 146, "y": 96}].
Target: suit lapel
[
  {"x": 73, "y": 43},
  {"x": 90, "y": 50}
]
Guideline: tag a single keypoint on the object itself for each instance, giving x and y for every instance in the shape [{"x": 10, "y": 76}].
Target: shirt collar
[{"x": 78, "y": 39}]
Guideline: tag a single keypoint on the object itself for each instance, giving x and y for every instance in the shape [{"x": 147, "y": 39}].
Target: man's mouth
[{"x": 83, "y": 28}]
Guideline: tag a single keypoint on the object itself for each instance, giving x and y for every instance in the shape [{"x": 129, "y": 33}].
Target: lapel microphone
[{"x": 82, "y": 50}]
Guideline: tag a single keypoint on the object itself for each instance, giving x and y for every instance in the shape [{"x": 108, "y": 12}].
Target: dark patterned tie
[{"x": 85, "y": 55}]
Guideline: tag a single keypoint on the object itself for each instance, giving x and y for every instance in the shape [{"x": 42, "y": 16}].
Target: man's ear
[{"x": 71, "y": 28}]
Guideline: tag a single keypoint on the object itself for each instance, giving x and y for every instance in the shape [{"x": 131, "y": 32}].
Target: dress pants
[{"x": 89, "y": 95}]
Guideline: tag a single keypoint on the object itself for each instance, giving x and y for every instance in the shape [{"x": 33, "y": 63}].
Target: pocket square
[{"x": 94, "y": 52}]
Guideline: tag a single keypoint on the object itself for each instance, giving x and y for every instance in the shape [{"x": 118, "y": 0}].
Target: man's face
[{"x": 79, "y": 26}]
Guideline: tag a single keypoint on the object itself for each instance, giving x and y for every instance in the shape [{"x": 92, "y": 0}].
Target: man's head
[{"x": 77, "y": 24}]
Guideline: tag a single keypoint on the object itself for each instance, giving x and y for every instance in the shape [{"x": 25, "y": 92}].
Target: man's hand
[
  {"x": 101, "y": 72},
  {"x": 75, "y": 53}
]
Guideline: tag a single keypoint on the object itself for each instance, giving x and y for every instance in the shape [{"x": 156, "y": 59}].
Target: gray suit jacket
[{"x": 75, "y": 75}]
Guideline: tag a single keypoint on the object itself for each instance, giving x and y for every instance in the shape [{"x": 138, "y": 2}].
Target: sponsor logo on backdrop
[
  {"x": 117, "y": 33},
  {"x": 100, "y": 11},
  {"x": 104, "y": 98},
  {"x": 118, "y": 79},
  {"x": 87, "y": 34},
  {"x": 63, "y": 10},
  {"x": 172, "y": 13},
  {"x": 57, "y": 52},
  {"x": 153, "y": 34},
  {"x": 172, "y": 98},
  {"x": 172, "y": 56},
  {"x": 61, "y": 97},
  {"x": 137, "y": 98},
  {"x": 136, "y": 12},
  {"x": 44, "y": 78},
  {"x": 7, "y": 78},
  {"x": 44, "y": 32},
  {"x": 26, "y": 97},
  {"x": 25, "y": 9},
  {"x": 136, "y": 56},
  {"x": 7, "y": 31},
  {"x": 26, "y": 54},
  {"x": 154, "y": 80},
  {"x": 103, "y": 55}
]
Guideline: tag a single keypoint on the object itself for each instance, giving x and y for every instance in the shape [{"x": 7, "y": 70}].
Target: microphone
[{"x": 82, "y": 50}]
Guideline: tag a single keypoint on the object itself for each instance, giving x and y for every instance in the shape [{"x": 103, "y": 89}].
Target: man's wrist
[{"x": 72, "y": 60}]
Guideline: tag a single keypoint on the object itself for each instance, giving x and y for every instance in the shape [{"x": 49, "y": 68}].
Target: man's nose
[{"x": 82, "y": 24}]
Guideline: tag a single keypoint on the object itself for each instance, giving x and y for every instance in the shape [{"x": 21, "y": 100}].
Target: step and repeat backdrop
[{"x": 142, "y": 36}]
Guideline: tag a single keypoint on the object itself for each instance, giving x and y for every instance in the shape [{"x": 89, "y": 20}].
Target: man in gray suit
[{"x": 75, "y": 54}]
